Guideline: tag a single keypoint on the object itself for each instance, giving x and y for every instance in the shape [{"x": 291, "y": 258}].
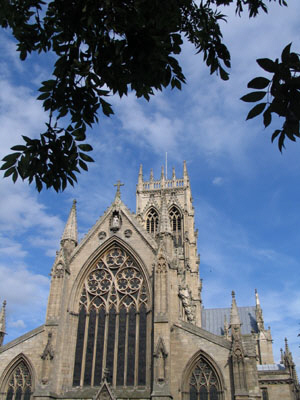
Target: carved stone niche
[
  {"x": 47, "y": 357},
  {"x": 115, "y": 221},
  {"x": 160, "y": 356}
]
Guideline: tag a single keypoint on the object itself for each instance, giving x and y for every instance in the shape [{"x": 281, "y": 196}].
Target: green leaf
[
  {"x": 85, "y": 147},
  {"x": 9, "y": 172},
  {"x": 267, "y": 117},
  {"x": 258, "y": 83},
  {"x": 85, "y": 157},
  {"x": 275, "y": 134},
  {"x": 223, "y": 74},
  {"x": 83, "y": 165},
  {"x": 19, "y": 148},
  {"x": 256, "y": 110},
  {"x": 285, "y": 55},
  {"x": 43, "y": 96},
  {"x": 267, "y": 64},
  {"x": 253, "y": 96}
]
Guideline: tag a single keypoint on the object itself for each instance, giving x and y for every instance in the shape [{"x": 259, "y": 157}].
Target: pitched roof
[{"x": 213, "y": 319}]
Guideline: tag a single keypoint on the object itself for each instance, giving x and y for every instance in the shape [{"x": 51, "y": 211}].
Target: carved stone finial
[
  {"x": 118, "y": 192},
  {"x": 70, "y": 231}
]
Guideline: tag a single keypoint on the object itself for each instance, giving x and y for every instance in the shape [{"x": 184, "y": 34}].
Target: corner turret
[
  {"x": 2, "y": 322},
  {"x": 69, "y": 238}
]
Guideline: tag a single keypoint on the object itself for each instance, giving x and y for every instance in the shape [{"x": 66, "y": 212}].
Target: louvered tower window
[
  {"x": 152, "y": 221},
  {"x": 19, "y": 385},
  {"x": 204, "y": 383},
  {"x": 175, "y": 220},
  {"x": 114, "y": 323}
]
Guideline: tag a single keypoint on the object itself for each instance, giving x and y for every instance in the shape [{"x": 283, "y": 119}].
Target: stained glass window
[
  {"x": 175, "y": 219},
  {"x": 152, "y": 221},
  {"x": 203, "y": 383},
  {"x": 19, "y": 384},
  {"x": 112, "y": 326}
]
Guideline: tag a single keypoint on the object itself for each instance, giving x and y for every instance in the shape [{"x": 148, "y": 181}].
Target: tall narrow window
[
  {"x": 203, "y": 383},
  {"x": 152, "y": 221},
  {"x": 264, "y": 392},
  {"x": 19, "y": 385},
  {"x": 112, "y": 326},
  {"x": 175, "y": 219}
]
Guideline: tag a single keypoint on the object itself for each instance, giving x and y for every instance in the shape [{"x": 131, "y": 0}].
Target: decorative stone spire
[
  {"x": 2, "y": 322},
  {"x": 186, "y": 178},
  {"x": 173, "y": 174},
  {"x": 140, "y": 178},
  {"x": 259, "y": 314},
  {"x": 290, "y": 365},
  {"x": 151, "y": 175},
  {"x": 70, "y": 232},
  {"x": 162, "y": 175},
  {"x": 234, "y": 314}
]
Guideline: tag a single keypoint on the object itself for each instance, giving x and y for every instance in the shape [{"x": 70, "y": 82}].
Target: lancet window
[
  {"x": 114, "y": 323},
  {"x": 152, "y": 221},
  {"x": 204, "y": 383},
  {"x": 19, "y": 385},
  {"x": 175, "y": 220}
]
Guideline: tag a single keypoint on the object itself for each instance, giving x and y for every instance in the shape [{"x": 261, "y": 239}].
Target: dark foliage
[
  {"x": 281, "y": 93},
  {"x": 103, "y": 48}
]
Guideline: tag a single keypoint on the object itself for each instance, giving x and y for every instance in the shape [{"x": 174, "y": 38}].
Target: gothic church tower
[{"x": 125, "y": 318}]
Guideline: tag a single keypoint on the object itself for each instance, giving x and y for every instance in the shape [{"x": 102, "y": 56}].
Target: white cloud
[
  {"x": 17, "y": 324},
  {"x": 218, "y": 181}
]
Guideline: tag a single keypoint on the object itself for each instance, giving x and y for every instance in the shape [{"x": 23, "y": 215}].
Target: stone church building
[{"x": 125, "y": 319}]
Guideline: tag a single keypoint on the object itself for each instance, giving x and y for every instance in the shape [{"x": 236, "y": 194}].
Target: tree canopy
[{"x": 116, "y": 46}]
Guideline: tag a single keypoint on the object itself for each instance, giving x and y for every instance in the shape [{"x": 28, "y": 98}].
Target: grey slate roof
[
  {"x": 213, "y": 319},
  {"x": 271, "y": 367}
]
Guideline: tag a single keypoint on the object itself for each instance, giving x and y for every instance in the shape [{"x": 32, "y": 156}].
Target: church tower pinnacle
[
  {"x": 2, "y": 323},
  {"x": 70, "y": 231}
]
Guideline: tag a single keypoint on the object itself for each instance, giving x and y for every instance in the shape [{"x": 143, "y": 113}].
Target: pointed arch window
[
  {"x": 114, "y": 326},
  {"x": 152, "y": 221},
  {"x": 203, "y": 382},
  {"x": 19, "y": 386},
  {"x": 176, "y": 222}
]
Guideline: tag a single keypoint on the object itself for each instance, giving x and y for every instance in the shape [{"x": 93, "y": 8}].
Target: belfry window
[
  {"x": 19, "y": 385},
  {"x": 152, "y": 221},
  {"x": 175, "y": 220},
  {"x": 203, "y": 383},
  {"x": 114, "y": 326}
]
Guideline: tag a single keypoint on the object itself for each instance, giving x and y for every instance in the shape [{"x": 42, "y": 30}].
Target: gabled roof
[
  {"x": 213, "y": 319},
  {"x": 127, "y": 214}
]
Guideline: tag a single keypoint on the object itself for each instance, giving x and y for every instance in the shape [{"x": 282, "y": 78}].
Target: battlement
[{"x": 163, "y": 184}]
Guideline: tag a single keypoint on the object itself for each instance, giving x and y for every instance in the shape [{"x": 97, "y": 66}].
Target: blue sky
[{"x": 246, "y": 194}]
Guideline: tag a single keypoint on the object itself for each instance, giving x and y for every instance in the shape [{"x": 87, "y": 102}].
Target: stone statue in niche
[
  {"x": 186, "y": 299},
  {"x": 115, "y": 221},
  {"x": 47, "y": 357},
  {"x": 160, "y": 364}
]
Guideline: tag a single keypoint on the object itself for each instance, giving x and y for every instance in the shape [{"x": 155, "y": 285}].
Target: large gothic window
[
  {"x": 203, "y": 383},
  {"x": 19, "y": 386},
  {"x": 114, "y": 326},
  {"x": 152, "y": 221},
  {"x": 175, "y": 220}
]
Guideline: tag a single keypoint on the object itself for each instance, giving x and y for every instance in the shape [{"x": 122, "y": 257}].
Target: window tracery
[
  {"x": 19, "y": 385},
  {"x": 113, "y": 320},
  {"x": 152, "y": 221},
  {"x": 175, "y": 220},
  {"x": 204, "y": 383}
]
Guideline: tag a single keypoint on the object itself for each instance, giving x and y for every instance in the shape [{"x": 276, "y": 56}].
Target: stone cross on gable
[{"x": 118, "y": 184}]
